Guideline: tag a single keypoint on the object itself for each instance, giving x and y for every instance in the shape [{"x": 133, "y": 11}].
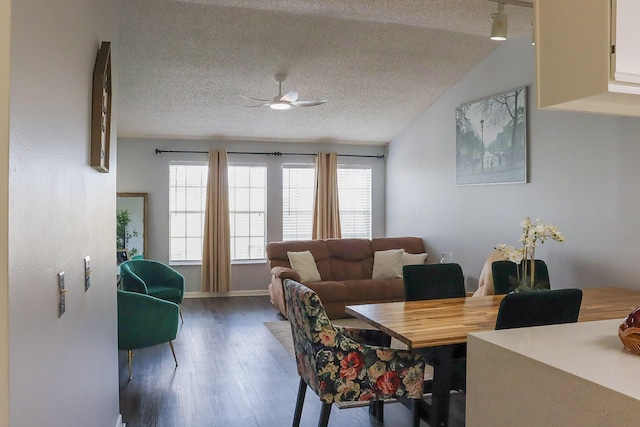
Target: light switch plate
[
  {"x": 63, "y": 292},
  {"x": 87, "y": 273}
]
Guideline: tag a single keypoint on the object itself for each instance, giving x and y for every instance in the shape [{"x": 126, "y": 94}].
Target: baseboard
[
  {"x": 249, "y": 293},
  {"x": 119, "y": 422}
]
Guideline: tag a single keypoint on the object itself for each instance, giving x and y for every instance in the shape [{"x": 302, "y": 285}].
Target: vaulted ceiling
[{"x": 182, "y": 65}]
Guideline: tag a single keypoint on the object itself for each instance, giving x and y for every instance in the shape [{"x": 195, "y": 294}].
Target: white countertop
[{"x": 589, "y": 350}]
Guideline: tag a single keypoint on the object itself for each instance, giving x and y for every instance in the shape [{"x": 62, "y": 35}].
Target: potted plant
[
  {"x": 532, "y": 234},
  {"x": 123, "y": 234}
]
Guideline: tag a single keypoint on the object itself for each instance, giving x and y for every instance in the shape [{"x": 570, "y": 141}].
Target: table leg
[{"x": 442, "y": 377}]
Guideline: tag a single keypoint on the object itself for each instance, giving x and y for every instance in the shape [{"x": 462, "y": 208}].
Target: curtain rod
[{"x": 274, "y": 153}]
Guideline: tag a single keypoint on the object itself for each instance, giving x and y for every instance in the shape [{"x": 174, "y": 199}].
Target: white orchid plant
[{"x": 532, "y": 234}]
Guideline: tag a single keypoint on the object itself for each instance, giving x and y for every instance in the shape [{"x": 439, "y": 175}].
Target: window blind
[
  {"x": 354, "y": 197},
  {"x": 297, "y": 201}
]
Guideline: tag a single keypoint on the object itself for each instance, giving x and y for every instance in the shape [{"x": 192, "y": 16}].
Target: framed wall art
[
  {"x": 491, "y": 139},
  {"x": 101, "y": 109}
]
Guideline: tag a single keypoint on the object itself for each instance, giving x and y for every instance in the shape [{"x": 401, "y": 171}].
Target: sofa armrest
[
  {"x": 285, "y": 273},
  {"x": 276, "y": 289}
]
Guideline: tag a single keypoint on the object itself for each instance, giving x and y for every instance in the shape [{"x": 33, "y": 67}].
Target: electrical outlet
[
  {"x": 63, "y": 292},
  {"x": 87, "y": 273}
]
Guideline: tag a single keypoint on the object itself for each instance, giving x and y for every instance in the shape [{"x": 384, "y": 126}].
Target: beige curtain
[
  {"x": 216, "y": 252},
  {"x": 326, "y": 214}
]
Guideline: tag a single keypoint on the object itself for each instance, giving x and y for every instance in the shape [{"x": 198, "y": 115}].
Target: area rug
[{"x": 282, "y": 332}]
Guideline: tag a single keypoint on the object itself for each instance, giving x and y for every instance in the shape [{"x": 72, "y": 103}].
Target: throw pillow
[
  {"x": 305, "y": 265},
  {"x": 387, "y": 264},
  {"x": 413, "y": 259}
]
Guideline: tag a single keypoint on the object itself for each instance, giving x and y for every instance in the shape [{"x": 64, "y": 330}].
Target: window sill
[
  {"x": 185, "y": 263},
  {"x": 233, "y": 262},
  {"x": 248, "y": 261}
]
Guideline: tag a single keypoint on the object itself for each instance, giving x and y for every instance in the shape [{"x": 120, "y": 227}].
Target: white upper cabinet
[
  {"x": 626, "y": 39},
  {"x": 588, "y": 55}
]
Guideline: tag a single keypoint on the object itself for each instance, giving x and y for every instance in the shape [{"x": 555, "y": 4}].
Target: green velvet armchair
[
  {"x": 153, "y": 278},
  {"x": 145, "y": 321}
]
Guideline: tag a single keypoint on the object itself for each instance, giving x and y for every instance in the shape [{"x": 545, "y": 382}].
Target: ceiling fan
[{"x": 286, "y": 101}]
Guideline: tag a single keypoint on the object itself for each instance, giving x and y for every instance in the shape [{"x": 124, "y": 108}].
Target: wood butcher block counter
[
  {"x": 436, "y": 323},
  {"x": 432, "y": 323},
  {"x": 561, "y": 375}
]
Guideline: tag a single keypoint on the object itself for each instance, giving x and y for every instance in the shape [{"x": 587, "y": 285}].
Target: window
[
  {"x": 297, "y": 201},
  {"x": 187, "y": 198},
  {"x": 247, "y": 205},
  {"x": 354, "y": 194},
  {"x": 354, "y": 198},
  {"x": 187, "y": 202}
]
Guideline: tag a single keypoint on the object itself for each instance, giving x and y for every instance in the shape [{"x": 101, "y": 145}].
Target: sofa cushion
[
  {"x": 413, "y": 245},
  {"x": 277, "y": 251},
  {"x": 413, "y": 259},
  {"x": 387, "y": 264},
  {"x": 350, "y": 270},
  {"x": 349, "y": 249},
  {"x": 305, "y": 265},
  {"x": 336, "y": 295},
  {"x": 349, "y": 259},
  {"x": 330, "y": 291},
  {"x": 363, "y": 291}
]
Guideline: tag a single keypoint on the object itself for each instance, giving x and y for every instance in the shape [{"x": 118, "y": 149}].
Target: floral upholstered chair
[{"x": 339, "y": 368}]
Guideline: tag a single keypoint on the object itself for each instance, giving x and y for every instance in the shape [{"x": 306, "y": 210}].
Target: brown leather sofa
[{"x": 345, "y": 267}]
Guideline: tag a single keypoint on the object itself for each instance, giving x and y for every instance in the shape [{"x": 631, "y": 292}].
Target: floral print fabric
[{"x": 339, "y": 368}]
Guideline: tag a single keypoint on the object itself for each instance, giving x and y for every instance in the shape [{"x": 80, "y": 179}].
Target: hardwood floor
[{"x": 232, "y": 373}]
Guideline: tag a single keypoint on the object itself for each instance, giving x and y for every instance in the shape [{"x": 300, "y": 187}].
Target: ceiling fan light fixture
[
  {"x": 279, "y": 105},
  {"x": 284, "y": 102},
  {"x": 499, "y": 24}
]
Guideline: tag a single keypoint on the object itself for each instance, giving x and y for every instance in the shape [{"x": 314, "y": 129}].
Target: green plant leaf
[
  {"x": 524, "y": 288},
  {"x": 542, "y": 285}
]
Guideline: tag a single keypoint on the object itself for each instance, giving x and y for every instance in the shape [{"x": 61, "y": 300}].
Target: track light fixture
[
  {"x": 499, "y": 19},
  {"x": 499, "y": 24}
]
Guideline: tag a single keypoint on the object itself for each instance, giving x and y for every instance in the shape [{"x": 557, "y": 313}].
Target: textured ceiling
[{"x": 379, "y": 63}]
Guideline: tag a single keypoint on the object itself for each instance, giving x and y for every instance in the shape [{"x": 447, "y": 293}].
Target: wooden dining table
[{"x": 438, "y": 323}]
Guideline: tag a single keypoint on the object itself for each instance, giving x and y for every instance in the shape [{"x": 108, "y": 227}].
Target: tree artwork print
[{"x": 491, "y": 139}]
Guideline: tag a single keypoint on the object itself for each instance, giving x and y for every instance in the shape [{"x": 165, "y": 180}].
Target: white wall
[
  {"x": 5, "y": 44},
  {"x": 62, "y": 371},
  {"x": 141, "y": 170},
  {"x": 583, "y": 179}
]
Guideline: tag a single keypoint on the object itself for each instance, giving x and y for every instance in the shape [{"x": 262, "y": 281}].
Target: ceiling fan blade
[
  {"x": 291, "y": 96},
  {"x": 255, "y": 99},
  {"x": 308, "y": 103},
  {"x": 261, "y": 105}
]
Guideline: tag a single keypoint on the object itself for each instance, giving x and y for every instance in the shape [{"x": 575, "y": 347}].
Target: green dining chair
[
  {"x": 538, "y": 308},
  {"x": 437, "y": 281},
  {"x": 504, "y": 272},
  {"x": 153, "y": 278},
  {"x": 145, "y": 321},
  {"x": 433, "y": 281},
  {"x": 534, "y": 308}
]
